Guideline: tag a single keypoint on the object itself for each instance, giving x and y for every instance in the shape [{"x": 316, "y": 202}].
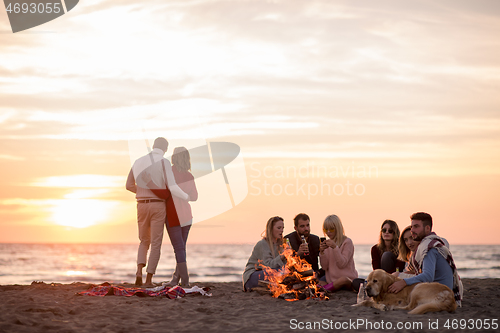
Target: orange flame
[{"x": 294, "y": 265}]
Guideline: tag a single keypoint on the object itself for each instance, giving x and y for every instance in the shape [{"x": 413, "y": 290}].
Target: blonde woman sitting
[
  {"x": 337, "y": 255},
  {"x": 267, "y": 252}
]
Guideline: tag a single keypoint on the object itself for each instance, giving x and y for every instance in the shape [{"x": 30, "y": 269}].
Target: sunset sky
[{"x": 370, "y": 110}]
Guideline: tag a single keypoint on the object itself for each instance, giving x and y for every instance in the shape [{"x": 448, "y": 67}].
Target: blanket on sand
[{"x": 107, "y": 289}]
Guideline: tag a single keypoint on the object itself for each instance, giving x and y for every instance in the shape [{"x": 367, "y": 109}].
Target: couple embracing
[{"x": 163, "y": 193}]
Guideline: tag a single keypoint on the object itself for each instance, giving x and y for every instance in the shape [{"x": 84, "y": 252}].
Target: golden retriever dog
[{"x": 419, "y": 298}]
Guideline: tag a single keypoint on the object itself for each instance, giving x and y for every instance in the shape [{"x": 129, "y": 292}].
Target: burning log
[
  {"x": 309, "y": 272},
  {"x": 288, "y": 296},
  {"x": 293, "y": 296},
  {"x": 295, "y": 282},
  {"x": 290, "y": 280},
  {"x": 299, "y": 286},
  {"x": 264, "y": 283}
]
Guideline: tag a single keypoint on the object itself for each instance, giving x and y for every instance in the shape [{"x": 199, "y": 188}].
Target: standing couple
[{"x": 163, "y": 193}]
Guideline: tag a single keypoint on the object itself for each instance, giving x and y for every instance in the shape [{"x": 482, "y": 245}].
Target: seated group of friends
[{"x": 415, "y": 255}]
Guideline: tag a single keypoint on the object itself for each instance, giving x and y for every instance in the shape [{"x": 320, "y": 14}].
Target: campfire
[{"x": 295, "y": 281}]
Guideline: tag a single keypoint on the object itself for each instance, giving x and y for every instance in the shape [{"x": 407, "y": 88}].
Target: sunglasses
[
  {"x": 329, "y": 230},
  {"x": 384, "y": 230}
]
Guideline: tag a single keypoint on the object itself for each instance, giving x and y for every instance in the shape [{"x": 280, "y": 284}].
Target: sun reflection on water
[{"x": 76, "y": 273}]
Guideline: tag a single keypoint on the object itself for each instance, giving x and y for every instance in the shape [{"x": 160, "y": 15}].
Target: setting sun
[
  {"x": 81, "y": 213},
  {"x": 168, "y": 149},
  {"x": 307, "y": 86}
]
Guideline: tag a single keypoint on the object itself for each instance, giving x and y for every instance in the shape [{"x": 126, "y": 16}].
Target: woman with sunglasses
[
  {"x": 385, "y": 253},
  {"x": 337, "y": 255},
  {"x": 267, "y": 252}
]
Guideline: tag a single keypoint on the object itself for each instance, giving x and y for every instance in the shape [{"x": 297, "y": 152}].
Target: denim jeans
[
  {"x": 253, "y": 281},
  {"x": 178, "y": 237},
  {"x": 388, "y": 262}
]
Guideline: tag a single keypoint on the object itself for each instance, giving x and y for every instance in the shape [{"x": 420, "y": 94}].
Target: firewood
[
  {"x": 290, "y": 280},
  {"x": 288, "y": 296},
  {"x": 309, "y": 272},
  {"x": 266, "y": 284},
  {"x": 300, "y": 285},
  {"x": 302, "y": 295},
  {"x": 261, "y": 290}
]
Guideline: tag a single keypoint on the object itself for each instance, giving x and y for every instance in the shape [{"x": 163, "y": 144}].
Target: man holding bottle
[{"x": 308, "y": 250}]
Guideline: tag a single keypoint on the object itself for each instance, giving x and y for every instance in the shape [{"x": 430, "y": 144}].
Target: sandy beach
[{"x": 42, "y": 307}]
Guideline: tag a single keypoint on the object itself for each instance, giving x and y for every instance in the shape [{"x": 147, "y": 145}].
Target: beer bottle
[{"x": 304, "y": 242}]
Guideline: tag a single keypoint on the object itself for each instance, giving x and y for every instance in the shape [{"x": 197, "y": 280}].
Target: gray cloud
[{"x": 319, "y": 61}]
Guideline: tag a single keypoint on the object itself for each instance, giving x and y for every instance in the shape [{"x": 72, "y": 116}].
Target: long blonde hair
[
  {"x": 334, "y": 222},
  {"x": 269, "y": 234},
  {"x": 181, "y": 159}
]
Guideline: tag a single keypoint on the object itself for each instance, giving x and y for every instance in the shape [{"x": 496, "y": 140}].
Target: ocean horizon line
[
  {"x": 195, "y": 243},
  {"x": 92, "y": 262}
]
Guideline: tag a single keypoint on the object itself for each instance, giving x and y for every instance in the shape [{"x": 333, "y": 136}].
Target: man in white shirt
[{"x": 151, "y": 210}]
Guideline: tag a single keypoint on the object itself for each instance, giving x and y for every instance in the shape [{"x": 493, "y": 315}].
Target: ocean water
[{"x": 97, "y": 263}]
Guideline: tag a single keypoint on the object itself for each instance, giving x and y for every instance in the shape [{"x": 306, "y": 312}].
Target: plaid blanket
[
  {"x": 107, "y": 289},
  {"x": 433, "y": 241}
]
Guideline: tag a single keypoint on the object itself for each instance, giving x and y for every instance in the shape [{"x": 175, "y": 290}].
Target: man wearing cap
[{"x": 154, "y": 169}]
